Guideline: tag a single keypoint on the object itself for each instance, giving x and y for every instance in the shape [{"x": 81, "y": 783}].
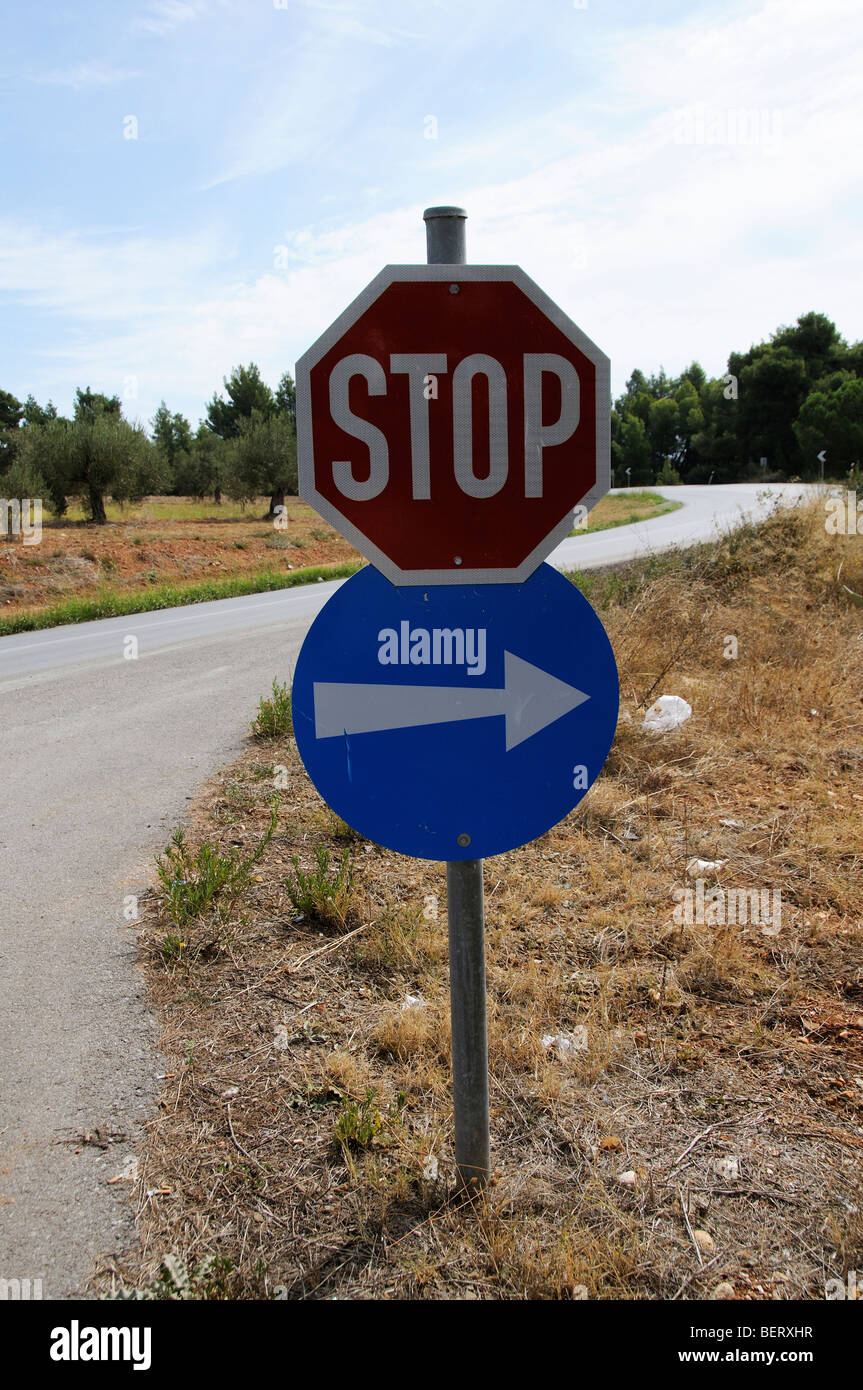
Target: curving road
[{"x": 98, "y": 758}]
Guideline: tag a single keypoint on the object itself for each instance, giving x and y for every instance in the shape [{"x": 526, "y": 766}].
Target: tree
[
  {"x": 92, "y": 405},
  {"x": 833, "y": 420},
  {"x": 696, "y": 376},
  {"x": 107, "y": 455},
  {"x": 36, "y": 414},
  {"x": 264, "y": 460},
  {"x": 11, "y": 414},
  {"x": 97, "y": 454},
  {"x": 22, "y": 479},
  {"x": 172, "y": 436},
  {"x": 816, "y": 340},
  {"x": 11, "y": 411},
  {"x": 851, "y": 359},
  {"x": 205, "y": 466},
  {"x": 662, "y": 432},
  {"x": 286, "y": 398},
  {"x": 713, "y": 448},
  {"x": 772, "y": 388},
  {"x": 668, "y": 475},
  {"x": 632, "y": 450},
  {"x": 48, "y": 449},
  {"x": 777, "y": 400},
  {"x": 246, "y": 393},
  {"x": 114, "y": 458}
]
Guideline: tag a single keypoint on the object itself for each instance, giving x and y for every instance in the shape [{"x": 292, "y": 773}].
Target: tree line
[
  {"x": 779, "y": 405},
  {"x": 784, "y": 401},
  {"x": 246, "y": 447}
]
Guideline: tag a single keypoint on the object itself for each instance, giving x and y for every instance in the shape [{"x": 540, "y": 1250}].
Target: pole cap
[{"x": 443, "y": 212}]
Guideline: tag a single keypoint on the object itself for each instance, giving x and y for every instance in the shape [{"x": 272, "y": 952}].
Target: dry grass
[{"x": 724, "y": 1063}]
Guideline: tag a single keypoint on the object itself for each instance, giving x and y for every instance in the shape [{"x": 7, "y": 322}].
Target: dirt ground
[
  {"x": 177, "y": 540},
  {"x": 165, "y": 539},
  {"x": 676, "y": 1096}
]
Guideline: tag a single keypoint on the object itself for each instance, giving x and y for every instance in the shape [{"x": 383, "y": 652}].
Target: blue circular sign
[{"x": 455, "y": 722}]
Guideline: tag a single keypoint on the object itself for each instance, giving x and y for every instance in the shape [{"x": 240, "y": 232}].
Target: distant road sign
[
  {"x": 455, "y": 722},
  {"x": 449, "y": 422}
]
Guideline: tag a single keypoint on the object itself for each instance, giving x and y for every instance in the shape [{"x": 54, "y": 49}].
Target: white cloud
[
  {"x": 162, "y": 17},
  {"x": 101, "y": 277},
  {"x": 343, "y": 20}
]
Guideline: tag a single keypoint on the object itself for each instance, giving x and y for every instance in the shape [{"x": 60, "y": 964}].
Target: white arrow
[
  {"x": 822, "y": 456},
  {"x": 530, "y": 700}
]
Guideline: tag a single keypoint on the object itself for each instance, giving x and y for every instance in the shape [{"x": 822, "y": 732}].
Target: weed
[
  {"x": 178, "y": 1281},
  {"x": 172, "y": 947},
  {"x": 193, "y": 882},
  {"x": 237, "y": 794},
  {"x": 321, "y": 894},
  {"x": 263, "y": 772},
  {"x": 273, "y": 719},
  {"x": 360, "y": 1121}
]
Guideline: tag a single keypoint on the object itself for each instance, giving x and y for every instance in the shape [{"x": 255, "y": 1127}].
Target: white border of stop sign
[{"x": 419, "y": 368}]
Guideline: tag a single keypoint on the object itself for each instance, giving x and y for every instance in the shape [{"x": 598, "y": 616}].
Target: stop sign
[{"x": 449, "y": 422}]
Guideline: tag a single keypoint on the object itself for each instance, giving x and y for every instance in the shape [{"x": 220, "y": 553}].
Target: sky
[{"x": 193, "y": 184}]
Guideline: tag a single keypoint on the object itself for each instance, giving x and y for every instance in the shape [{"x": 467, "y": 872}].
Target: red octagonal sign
[{"x": 449, "y": 422}]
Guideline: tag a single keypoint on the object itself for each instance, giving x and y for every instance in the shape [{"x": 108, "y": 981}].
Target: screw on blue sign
[{"x": 455, "y": 722}]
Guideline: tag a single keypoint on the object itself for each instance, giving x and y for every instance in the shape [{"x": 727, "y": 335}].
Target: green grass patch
[
  {"x": 113, "y": 603},
  {"x": 166, "y": 509},
  {"x": 624, "y": 509}
]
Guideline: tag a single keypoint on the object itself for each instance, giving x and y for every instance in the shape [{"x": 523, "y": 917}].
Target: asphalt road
[{"x": 98, "y": 758}]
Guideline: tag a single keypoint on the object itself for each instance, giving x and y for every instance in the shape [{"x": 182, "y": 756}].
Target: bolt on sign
[{"x": 449, "y": 422}]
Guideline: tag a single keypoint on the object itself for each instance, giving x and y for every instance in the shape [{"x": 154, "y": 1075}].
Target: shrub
[{"x": 273, "y": 719}]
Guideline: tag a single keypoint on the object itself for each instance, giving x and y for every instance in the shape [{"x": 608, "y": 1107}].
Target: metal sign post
[
  {"x": 445, "y": 245},
  {"x": 466, "y": 920}
]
